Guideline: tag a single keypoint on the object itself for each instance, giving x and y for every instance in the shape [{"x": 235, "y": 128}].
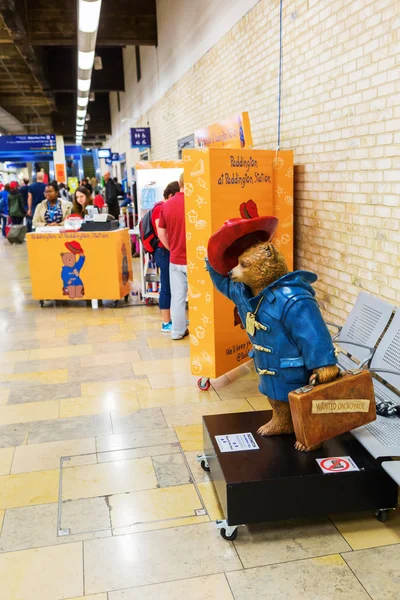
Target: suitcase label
[{"x": 344, "y": 405}]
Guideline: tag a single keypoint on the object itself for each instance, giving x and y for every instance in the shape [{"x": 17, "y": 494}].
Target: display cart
[
  {"x": 102, "y": 269},
  {"x": 272, "y": 481}
]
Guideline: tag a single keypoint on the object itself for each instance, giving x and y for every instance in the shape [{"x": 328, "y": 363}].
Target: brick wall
[{"x": 340, "y": 114}]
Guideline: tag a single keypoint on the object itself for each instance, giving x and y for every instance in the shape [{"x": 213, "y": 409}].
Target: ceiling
[{"x": 38, "y": 63}]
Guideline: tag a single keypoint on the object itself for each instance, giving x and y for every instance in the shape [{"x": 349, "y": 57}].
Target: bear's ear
[
  {"x": 61, "y": 254},
  {"x": 270, "y": 251}
]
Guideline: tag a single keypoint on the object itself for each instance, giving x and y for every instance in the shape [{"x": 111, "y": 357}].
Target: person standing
[
  {"x": 24, "y": 191},
  {"x": 35, "y": 197},
  {"x": 4, "y": 208},
  {"x": 111, "y": 195},
  {"x": 16, "y": 206},
  {"x": 85, "y": 183},
  {"x": 161, "y": 256},
  {"x": 172, "y": 234}
]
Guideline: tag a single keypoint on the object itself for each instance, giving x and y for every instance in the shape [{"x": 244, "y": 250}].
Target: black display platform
[{"x": 278, "y": 482}]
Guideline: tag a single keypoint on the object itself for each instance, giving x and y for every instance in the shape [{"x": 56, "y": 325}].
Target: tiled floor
[{"x": 111, "y": 392}]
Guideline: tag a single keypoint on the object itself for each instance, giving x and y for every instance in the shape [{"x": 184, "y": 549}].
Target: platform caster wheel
[
  {"x": 203, "y": 384},
  {"x": 205, "y": 468},
  {"x": 115, "y": 303},
  {"x": 382, "y": 515},
  {"x": 41, "y": 302},
  {"x": 229, "y": 538},
  {"x": 126, "y": 298}
]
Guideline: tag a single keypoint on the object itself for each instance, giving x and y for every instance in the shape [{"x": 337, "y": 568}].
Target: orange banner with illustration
[
  {"x": 217, "y": 182},
  {"x": 80, "y": 265},
  {"x": 60, "y": 173},
  {"x": 233, "y": 132}
]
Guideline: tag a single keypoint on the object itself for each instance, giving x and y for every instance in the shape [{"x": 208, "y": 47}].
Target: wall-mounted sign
[
  {"x": 23, "y": 143},
  {"x": 109, "y": 161},
  {"x": 60, "y": 172},
  {"x": 115, "y": 156},
  {"x": 140, "y": 137},
  {"x": 234, "y": 132},
  {"x": 104, "y": 152}
]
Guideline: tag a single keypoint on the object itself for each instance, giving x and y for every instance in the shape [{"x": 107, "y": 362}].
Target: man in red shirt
[{"x": 172, "y": 234}]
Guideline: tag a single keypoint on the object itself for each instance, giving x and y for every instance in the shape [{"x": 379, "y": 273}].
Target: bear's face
[
  {"x": 259, "y": 266},
  {"x": 68, "y": 259}
]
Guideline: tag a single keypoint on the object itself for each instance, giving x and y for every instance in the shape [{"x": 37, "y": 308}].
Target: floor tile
[
  {"x": 61, "y": 352},
  {"x": 13, "y": 435},
  {"x": 211, "y": 502},
  {"x": 326, "y": 578},
  {"x": 238, "y": 389},
  {"x": 4, "y": 395},
  {"x": 244, "y": 372},
  {"x": 27, "y": 413},
  {"x": 36, "y": 526},
  {"x": 136, "y": 440},
  {"x": 89, "y": 481},
  {"x": 91, "y": 597},
  {"x": 100, "y": 374},
  {"x": 171, "y": 470},
  {"x": 363, "y": 530},
  {"x": 282, "y": 541},
  {"x": 154, "y": 505},
  {"x": 175, "y": 352},
  {"x": 2, "y": 514},
  {"x": 106, "y": 360},
  {"x": 147, "y": 418},
  {"x": 7, "y": 368},
  {"x": 35, "y": 334},
  {"x": 175, "y": 379},
  {"x": 153, "y": 451},
  {"x": 190, "y": 437},
  {"x": 69, "y": 429},
  {"x": 47, "y": 573},
  {"x": 165, "y": 342},
  {"x": 259, "y": 402},
  {"x": 155, "y": 557},
  {"x": 148, "y": 367},
  {"x": 6, "y": 457},
  {"x": 40, "y": 378},
  {"x": 156, "y": 525},
  {"x": 175, "y": 397},
  {"x": 192, "y": 414},
  {"x": 124, "y": 386},
  {"x": 27, "y": 489},
  {"x": 211, "y": 587},
  {"x": 112, "y": 347},
  {"x": 378, "y": 569},
  {"x": 42, "y": 457},
  {"x": 27, "y": 393},
  {"x": 92, "y": 405},
  {"x": 139, "y": 324},
  {"x": 30, "y": 366},
  {"x": 17, "y": 355}
]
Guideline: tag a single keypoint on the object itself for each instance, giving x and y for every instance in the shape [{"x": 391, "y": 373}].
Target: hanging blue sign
[
  {"x": 27, "y": 143},
  {"x": 115, "y": 156},
  {"x": 104, "y": 152},
  {"x": 109, "y": 161},
  {"x": 140, "y": 136}
]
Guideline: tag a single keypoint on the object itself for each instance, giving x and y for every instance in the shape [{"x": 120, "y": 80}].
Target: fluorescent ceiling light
[
  {"x": 89, "y": 15},
  {"x": 85, "y": 59},
  {"x": 83, "y": 101},
  {"x": 83, "y": 85},
  {"x": 79, "y": 129},
  {"x": 81, "y": 112}
]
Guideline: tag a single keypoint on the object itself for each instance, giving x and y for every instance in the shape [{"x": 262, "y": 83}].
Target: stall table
[{"x": 93, "y": 265}]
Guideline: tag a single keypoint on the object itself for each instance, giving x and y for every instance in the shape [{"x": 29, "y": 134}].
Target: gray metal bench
[{"x": 361, "y": 331}]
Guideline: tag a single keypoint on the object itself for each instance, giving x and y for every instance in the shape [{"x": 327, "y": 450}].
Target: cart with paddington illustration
[{"x": 80, "y": 265}]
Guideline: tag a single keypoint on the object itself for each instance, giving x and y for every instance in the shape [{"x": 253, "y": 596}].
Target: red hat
[
  {"x": 74, "y": 247},
  {"x": 13, "y": 185},
  {"x": 236, "y": 235}
]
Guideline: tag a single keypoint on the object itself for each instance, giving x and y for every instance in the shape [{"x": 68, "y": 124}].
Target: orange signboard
[
  {"x": 60, "y": 173},
  {"x": 80, "y": 265},
  {"x": 217, "y": 182},
  {"x": 234, "y": 132}
]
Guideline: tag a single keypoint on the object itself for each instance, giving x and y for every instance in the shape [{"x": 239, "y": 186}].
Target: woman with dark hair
[
  {"x": 53, "y": 210},
  {"x": 161, "y": 256},
  {"x": 82, "y": 199}
]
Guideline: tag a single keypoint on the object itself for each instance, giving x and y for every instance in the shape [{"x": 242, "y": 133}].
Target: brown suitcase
[{"x": 324, "y": 411}]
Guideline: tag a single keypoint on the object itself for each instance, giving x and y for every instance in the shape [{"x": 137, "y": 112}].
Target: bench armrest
[
  {"x": 366, "y": 360},
  {"x": 379, "y": 370},
  {"x": 338, "y": 327}
]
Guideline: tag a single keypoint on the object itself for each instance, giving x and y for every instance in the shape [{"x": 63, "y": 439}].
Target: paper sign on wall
[{"x": 236, "y": 442}]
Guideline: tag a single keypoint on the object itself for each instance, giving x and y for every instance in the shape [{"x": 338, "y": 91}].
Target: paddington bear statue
[{"x": 291, "y": 343}]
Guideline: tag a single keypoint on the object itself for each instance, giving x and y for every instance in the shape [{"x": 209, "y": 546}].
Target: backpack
[{"x": 147, "y": 233}]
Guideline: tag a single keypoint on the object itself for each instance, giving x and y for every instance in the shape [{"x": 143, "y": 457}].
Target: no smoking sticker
[{"x": 337, "y": 464}]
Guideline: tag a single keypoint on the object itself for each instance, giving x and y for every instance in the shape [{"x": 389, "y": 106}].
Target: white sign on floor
[
  {"x": 337, "y": 464},
  {"x": 236, "y": 442}
]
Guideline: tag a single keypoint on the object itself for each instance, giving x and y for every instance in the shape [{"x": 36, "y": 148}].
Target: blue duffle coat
[{"x": 291, "y": 338}]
